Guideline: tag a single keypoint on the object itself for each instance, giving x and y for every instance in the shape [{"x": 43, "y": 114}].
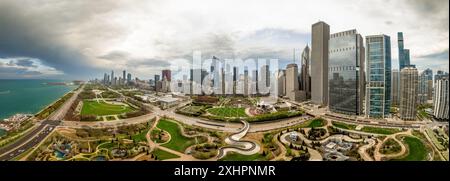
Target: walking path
[
  {"x": 236, "y": 145},
  {"x": 378, "y": 156}
]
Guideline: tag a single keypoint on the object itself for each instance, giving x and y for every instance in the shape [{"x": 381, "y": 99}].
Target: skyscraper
[
  {"x": 112, "y": 77},
  {"x": 319, "y": 62},
  {"x": 395, "y": 98},
  {"x": 346, "y": 73},
  {"x": 305, "y": 78},
  {"x": 408, "y": 93},
  {"x": 425, "y": 91},
  {"x": 157, "y": 78},
  {"x": 378, "y": 90},
  {"x": 441, "y": 99},
  {"x": 292, "y": 91},
  {"x": 124, "y": 78},
  {"x": 439, "y": 75},
  {"x": 166, "y": 75},
  {"x": 128, "y": 78},
  {"x": 403, "y": 54},
  {"x": 281, "y": 76}
]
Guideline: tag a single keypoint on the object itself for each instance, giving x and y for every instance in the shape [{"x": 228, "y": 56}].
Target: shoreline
[{"x": 44, "y": 108}]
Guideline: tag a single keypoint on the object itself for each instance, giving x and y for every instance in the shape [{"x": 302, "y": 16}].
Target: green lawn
[
  {"x": 344, "y": 125},
  {"x": 140, "y": 136},
  {"x": 318, "y": 122},
  {"x": 107, "y": 145},
  {"x": 239, "y": 157},
  {"x": 377, "y": 130},
  {"x": 163, "y": 155},
  {"x": 177, "y": 141},
  {"x": 417, "y": 151},
  {"x": 102, "y": 108},
  {"x": 228, "y": 111}
]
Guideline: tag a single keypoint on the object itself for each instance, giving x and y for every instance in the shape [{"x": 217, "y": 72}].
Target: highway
[
  {"x": 37, "y": 135},
  {"x": 28, "y": 141}
]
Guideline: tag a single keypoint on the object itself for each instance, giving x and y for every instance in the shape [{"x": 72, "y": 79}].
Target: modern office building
[
  {"x": 128, "y": 78},
  {"x": 166, "y": 74},
  {"x": 425, "y": 92},
  {"x": 346, "y": 73},
  {"x": 281, "y": 76},
  {"x": 441, "y": 99},
  {"x": 105, "y": 78},
  {"x": 292, "y": 90},
  {"x": 124, "y": 78},
  {"x": 305, "y": 77},
  {"x": 403, "y": 54},
  {"x": 439, "y": 75},
  {"x": 395, "y": 88},
  {"x": 409, "y": 78},
  {"x": 378, "y": 69},
  {"x": 320, "y": 34},
  {"x": 112, "y": 77}
]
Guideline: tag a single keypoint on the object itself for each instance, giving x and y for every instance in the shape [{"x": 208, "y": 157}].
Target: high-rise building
[
  {"x": 128, "y": 78},
  {"x": 409, "y": 78},
  {"x": 378, "y": 87},
  {"x": 112, "y": 77},
  {"x": 166, "y": 74},
  {"x": 346, "y": 73},
  {"x": 246, "y": 83},
  {"x": 403, "y": 54},
  {"x": 281, "y": 76},
  {"x": 439, "y": 75},
  {"x": 292, "y": 90},
  {"x": 105, "y": 78},
  {"x": 319, "y": 62},
  {"x": 305, "y": 77},
  {"x": 425, "y": 91},
  {"x": 395, "y": 92},
  {"x": 441, "y": 99},
  {"x": 157, "y": 78},
  {"x": 124, "y": 78}
]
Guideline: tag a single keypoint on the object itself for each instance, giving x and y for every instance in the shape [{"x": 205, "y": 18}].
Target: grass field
[
  {"x": 417, "y": 151},
  {"x": 163, "y": 155},
  {"x": 344, "y": 125},
  {"x": 103, "y": 108},
  {"x": 177, "y": 141},
  {"x": 140, "y": 136},
  {"x": 239, "y": 157},
  {"x": 318, "y": 122},
  {"x": 228, "y": 111},
  {"x": 377, "y": 130}
]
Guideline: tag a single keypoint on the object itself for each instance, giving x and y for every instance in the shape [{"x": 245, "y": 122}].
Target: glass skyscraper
[
  {"x": 378, "y": 98},
  {"x": 346, "y": 72},
  {"x": 403, "y": 54}
]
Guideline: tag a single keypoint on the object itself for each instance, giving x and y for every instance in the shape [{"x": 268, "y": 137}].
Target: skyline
[{"x": 142, "y": 37}]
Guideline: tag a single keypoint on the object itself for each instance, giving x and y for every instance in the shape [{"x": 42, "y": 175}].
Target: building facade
[
  {"x": 320, "y": 34},
  {"x": 403, "y": 54},
  {"x": 305, "y": 77},
  {"x": 395, "y": 88},
  {"x": 346, "y": 73},
  {"x": 409, "y": 78},
  {"x": 292, "y": 88},
  {"x": 378, "y": 87},
  {"x": 441, "y": 99},
  {"x": 425, "y": 92}
]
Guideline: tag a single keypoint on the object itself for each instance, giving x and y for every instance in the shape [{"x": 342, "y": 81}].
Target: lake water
[{"x": 28, "y": 96}]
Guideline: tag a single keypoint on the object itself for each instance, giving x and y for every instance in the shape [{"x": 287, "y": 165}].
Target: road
[
  {"x": 37, "y": 135},
  {"x": 28, "y": 141}
]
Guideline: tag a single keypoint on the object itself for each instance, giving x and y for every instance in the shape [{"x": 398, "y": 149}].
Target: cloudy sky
[{"x": 82, "y": 39}]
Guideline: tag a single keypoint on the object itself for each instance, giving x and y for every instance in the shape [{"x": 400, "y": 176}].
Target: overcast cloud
[{"x": 83, "y": 39}]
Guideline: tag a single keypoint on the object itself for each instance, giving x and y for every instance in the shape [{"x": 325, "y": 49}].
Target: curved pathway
[
  {"x": 378, "y": 156},
  {"x": 236, "y": 145},
  {"x": 363, "y": 150}
]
